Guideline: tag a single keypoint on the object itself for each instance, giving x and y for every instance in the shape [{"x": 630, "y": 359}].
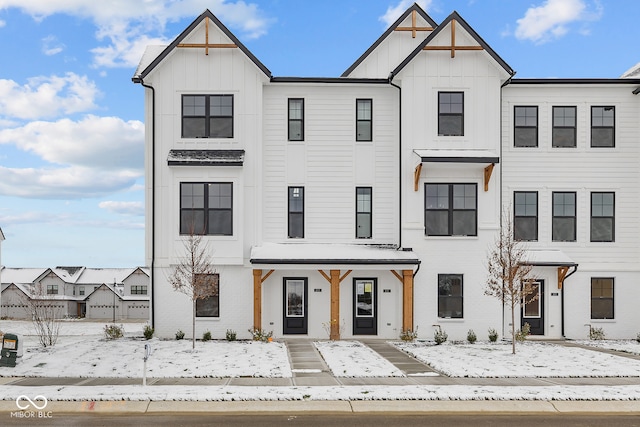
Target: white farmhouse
[{"x": 365, "y": 204}]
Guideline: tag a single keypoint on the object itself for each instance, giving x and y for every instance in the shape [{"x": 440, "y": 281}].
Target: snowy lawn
[
  {"x": 625, "y": 346},
  {"x": 532, "y": 359},
  {"x": 354, "y": 359}
]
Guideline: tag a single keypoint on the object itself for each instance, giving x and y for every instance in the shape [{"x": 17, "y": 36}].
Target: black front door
[
  {"x": 365, "y": 307},
  {"x": 295, "y": 305},
  {"x": 533, "y": 311}
]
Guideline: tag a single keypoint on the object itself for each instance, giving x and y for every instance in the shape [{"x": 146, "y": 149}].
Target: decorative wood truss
[
  {"x": 414, "y": 27},
  {"x": 453, "y": 46},
  {"x": 206, "y": 45}
]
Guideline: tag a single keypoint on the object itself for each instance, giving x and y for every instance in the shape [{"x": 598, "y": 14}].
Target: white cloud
[
  {"x": 2, "y": 23},
  {"x": 51, "y": 46},
  {"x": 125, "y": 24},
  {"x": 47, "y": 96},
  {"x": 125, "y": 208},
  {"x": 551, "y": 20},
  {"x": 394, "y": 12}
]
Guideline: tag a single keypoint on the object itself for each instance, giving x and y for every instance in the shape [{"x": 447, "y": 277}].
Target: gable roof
[
  {"x": 386, "y": 34},
  {"x": 453, "y": 17},
  {"x": 22, "y": 275},
  {"x": 141, "y": 72},
  {"x": 1, "y": 235}
]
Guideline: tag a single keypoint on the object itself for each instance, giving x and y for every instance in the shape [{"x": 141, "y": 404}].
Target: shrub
[
  {"x": 258, "y": 334},
  {"x": 327, "y": 326},
  {"x": 179, "y": 335},
  {"x": 409, "y": 335},
  {"x": 113, "y": 332},
  {"x": 493, "y": 335},
  {"x": 231, "y": 335},
  {"x": 637, "y": 336},
  {"x": 148, "y": 332},
  {"x": 440, "y": 336},
  {"x": 523, "y": 333},
  {"x": 206, "y": 336},
  {"x": 471, "y": 336},
  {"x": 596, "y": 333}
]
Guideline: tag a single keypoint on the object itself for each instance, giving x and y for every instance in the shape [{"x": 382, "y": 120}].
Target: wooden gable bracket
[
  {"x": 562, "y": 273},
  {"x": 416, "y": 176},
  {"x": 413, "y": 28},
  {"x": 206, "y": 45},
  {"x": 487, "y": 176},
  {"x": 453, "y": 46}
]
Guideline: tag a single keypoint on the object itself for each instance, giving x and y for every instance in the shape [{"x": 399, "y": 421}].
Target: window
[
  {"x": 138, "y": 289},
  {"x": 209, "y": 306},
  {"x": 601, "y": 298},
  {"x": 450, "y": 296},
  {"x": 296, "y": 119},
  {"x": 525, "y": 128},
  {"x": 525, "y": 215},
  {"x": 603, "y": 126},
  {"x": 564, "y": 217},
  {"x": 206, "y": 208},
  {"x": 52, "y": 289},
  {"x": 450, "y": 209},
  {"x": 602, "y": 217},
  {"x": 363, "y": 212},
  {"x": 207, "y": 116},
  {"x": 81, "y": 290},
  {"x": 296, "y": 212},
  {"x": 451, "y": 113},
  {"x": 363, "y": 120},
  {"x": 564, "y": 127}
]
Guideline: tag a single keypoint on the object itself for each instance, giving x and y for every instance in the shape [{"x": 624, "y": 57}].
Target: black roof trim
[
  {"x": 335, "y": 261},
  {"x": 205, "y": 158},
  {"x": 206, "y": 14},
  {"x": 543, "y": 81},
  {"x": 471, "y": 31},
  {"x": 434, "y": 159},
  {"x": 327, "y": 80},
  {"x": 384, "y": 35},
  {"x": 551, "y": 264}
]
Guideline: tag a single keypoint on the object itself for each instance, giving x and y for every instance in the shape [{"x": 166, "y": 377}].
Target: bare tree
[
  {"x": 195, "y": 275},
  {"x": 45, "y": 314},
  {"x": 509, "y": 277}
]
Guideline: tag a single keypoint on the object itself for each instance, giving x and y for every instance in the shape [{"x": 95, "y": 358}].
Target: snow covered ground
[
  {"x": 354, "y": 359},
  {"x": 625, "y": 346}
]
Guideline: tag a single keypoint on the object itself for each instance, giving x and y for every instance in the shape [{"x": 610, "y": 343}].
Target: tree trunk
[
  {"x": 513, "y": 327},
  {"x": 193, "y": 325}
]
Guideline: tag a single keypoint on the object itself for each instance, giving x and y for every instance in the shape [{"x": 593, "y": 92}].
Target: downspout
[
  {"x": 153, "y": 194},
  {"x": 575, "y": 268},
  {"x": 399, "y": 160}
]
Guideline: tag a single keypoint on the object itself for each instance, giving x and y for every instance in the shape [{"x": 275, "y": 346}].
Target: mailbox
[{"x": 11, "y": 350}]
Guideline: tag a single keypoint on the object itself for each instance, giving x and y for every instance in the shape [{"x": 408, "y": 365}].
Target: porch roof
[
  {"x": 205, "y": 158},
  {"x": 323, "y": 254},
  {"x": 549, "y": 258},
  {"x": 457, "y": 156}
]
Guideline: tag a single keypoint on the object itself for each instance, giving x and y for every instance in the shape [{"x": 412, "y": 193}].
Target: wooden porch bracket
[
  {"x": 334, "y": 279},
  {"x": 562, "y": 273},
  {"x": 416, "y": 176},
  {"x": 407, "y": 297},
  {"x": 487, "y": 176},
  {"x": 258, "y": 279}
]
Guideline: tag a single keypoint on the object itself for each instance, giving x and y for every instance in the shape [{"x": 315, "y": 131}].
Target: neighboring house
[
  {"x": 364, "y": 205},
  {"x": 74, "y": 290}
]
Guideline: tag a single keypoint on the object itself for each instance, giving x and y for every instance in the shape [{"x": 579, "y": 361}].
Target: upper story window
[
  {"x": 138, "y": 289},
  {"x": 450, "y": 210},
  {"x": 525, "y": 215},
  {"x": 363, "y": 212},
  {"x": 81, "y": 290},
  {"x": 296, "y": 119},
  {"x": 525, "y": 127},
  {"x": 364, "y": 128},
  {"x": 52, "y": 289},
  {"x": 602, "y": 217},
  {"x": 564, "y": 127},
  {"x": 603, "y": 126},
  {"x": 206, "y": 208},
  {"x": 450, "y": 113},
  {"x": 563, "y": 223},
  {"x": 296, "y": 212},
  {"x": 207, "y": 116}
]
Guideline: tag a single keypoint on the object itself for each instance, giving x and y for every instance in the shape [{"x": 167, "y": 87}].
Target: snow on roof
[
  {"x": 94, "y": 276},
  {"x": 632, "y": 73},
  {"x": 151, "y": 52},
  {"x": 548, "y": 258},
  {"x": 68, "y": 274},
  {"x": 21, "y": 275}
]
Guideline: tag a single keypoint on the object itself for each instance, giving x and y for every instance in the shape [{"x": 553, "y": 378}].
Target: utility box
[{"x": 11, "y": 350}]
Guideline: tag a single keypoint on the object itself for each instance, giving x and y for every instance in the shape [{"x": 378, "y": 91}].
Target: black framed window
[
  {"x": 525, "y": 215},
  {"x": 563, "y": 227},
  {"x": 138, "y": 289},
  {"x": 206, "y": 208},
  {"x": 450, "y": 296},
  {"x": 52, "y": 289},
  {"x": 451, "y": 113},
  {"x": 450, "y": 209},
  {"x": 363, "y": 212},
  {"x": 364, "y": 121},
  {"x": 207, "y": 116},
  {"x": 525, "y": 126},
  {"x": 81, "y": 290},
  {"x": 296, "y": 212},
  {"x": 296, "y": 119},
  {"x": 602, "y": 298},
  {"x": 603, "y": 129},
  {"x": 208, "y": 303},
  {"x": 603, "y": 217},
  {"x": 564, "y": 127}
]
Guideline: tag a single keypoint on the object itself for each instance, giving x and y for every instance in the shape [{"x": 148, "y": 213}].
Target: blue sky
[{"x": 71, "y": 131}]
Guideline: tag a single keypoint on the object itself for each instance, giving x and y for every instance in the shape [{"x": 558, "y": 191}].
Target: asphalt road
[{"x": 324, "y": 420}]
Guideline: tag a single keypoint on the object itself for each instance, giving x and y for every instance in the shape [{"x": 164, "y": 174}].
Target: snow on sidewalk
[{"x": 354, "y": 359}]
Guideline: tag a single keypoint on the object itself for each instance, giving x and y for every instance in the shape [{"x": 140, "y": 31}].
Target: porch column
[
  {"x": 335, "y": 305},
  {"x": 407, "y": 300},
  {"x": 257, "y": 299}
]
